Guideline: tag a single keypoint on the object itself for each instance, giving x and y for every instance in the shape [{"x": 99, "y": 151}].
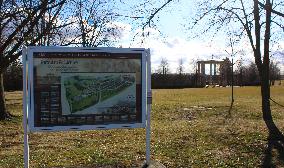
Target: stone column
[
  {"x": 215, "y": 67},
  {"x": 210, "y": 69},
  {"x": 198, "y": 67},
  {"x": 203, "y": 68}
]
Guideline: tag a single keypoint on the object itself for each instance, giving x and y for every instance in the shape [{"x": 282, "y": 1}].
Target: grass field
[{"x": 190, "y": 128}]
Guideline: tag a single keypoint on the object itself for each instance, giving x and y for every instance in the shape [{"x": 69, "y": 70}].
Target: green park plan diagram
[{"x": 83, "y": 90}]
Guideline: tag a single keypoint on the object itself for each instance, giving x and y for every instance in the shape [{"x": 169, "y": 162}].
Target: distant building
[
  {"x": 282, "y": 72},
  {"x": 219, "y": 72}
]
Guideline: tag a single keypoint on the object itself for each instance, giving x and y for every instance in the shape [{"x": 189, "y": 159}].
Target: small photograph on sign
[{"x": 98, "y": 93}]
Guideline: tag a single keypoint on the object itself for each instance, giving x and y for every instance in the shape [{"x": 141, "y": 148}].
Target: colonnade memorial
[{"x": 219, "y": 72}]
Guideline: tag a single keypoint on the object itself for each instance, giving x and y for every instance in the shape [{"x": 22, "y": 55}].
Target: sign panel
[{"x": 86, "y": 88}]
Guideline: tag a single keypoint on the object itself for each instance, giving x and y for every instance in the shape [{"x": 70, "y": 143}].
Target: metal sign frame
[
  {"x": 28, "y": 94},
  {"x": 32, "y": 50}
]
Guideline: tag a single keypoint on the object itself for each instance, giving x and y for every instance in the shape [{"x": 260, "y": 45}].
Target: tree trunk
[
  {"x": 3, "y": 110},
  {"x": 265, "y": 93},
  {"x": 274, "y": 132}
]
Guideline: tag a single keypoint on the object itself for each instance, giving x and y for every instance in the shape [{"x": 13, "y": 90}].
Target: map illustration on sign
[{"x": 93, "y": 93}]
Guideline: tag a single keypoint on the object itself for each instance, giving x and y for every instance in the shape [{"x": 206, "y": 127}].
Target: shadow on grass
[
  {"x": 11, "y": 118},
  {"x": 268, "y": 154},
  {"x": 275, "y": 143}
]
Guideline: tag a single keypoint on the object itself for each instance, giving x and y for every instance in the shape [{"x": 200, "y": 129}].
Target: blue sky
[{"x": 171, "y": 38}]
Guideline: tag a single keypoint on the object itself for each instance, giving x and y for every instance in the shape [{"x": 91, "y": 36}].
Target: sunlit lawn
[{"x": 190, "y": 128}]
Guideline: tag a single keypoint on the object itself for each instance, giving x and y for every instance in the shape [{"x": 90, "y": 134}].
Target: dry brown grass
[{"x": 190, "y": 128}]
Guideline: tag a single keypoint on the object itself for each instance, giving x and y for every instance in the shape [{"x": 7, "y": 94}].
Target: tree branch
[
  {"x": 257, "y": 53},
  {"x": 10, "y": 56},
  {"x": 20, "y": 27},
  {"x": 266, "y": 55},
  {"x": 153, "y": 14},
  {"x": 246, "y": 26},
  {"x": 266, "y": 7}
]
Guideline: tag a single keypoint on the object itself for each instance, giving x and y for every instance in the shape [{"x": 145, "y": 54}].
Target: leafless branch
[{"x": 267, "y": 8}]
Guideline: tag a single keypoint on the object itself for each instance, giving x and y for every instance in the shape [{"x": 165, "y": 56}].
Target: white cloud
[{"x": 175, "y": 48}]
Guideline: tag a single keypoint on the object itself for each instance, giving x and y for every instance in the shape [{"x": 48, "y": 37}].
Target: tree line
[{"x": 244, "y": 76}]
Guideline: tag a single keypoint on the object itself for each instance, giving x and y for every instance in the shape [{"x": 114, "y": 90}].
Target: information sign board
[{"x": 86, "y": 88}]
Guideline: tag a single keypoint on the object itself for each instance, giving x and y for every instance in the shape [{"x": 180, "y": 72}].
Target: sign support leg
[
  {"x": 148, "y": 137},
  {"x": 149, "y": 102},
  {"x": 26, "y": 149},
  {"x": 25, "y": 110}
]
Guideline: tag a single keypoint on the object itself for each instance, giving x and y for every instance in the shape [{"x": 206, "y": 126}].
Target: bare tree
[
  {"x": 164, "y": 67},
  {"x": 274, "y": 71},
  {"x": 18, "y": 21},
  {"x": 180, "y": 68},
  {"x": 253, "y": 20},
  {"x": 232, "y": 53},
  {"x": 258, "y": 21}
]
